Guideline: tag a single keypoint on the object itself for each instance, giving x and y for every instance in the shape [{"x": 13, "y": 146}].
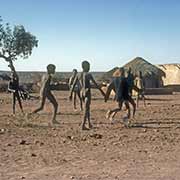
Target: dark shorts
[{"x": 122, "y": 98}]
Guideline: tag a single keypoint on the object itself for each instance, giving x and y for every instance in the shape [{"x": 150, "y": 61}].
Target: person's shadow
[{"x": 163, "y": 123}]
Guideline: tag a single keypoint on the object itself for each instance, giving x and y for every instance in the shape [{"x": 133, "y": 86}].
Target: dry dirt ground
[{"x": 149, "y": 150}]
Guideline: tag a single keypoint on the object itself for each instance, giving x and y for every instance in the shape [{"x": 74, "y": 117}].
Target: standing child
[
  {"x": 45, "y": 92},
  {"x": 120, "y": 86},
  {"x": 139, "y": 83},
  {"x": 77, "y": 88},
  {"x": 14, "y": 88},
  {"x": 85, "y": 80}
]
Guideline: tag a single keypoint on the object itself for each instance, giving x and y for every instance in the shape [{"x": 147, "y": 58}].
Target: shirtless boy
[
  {"x": 45, "y": 92},
  {"x": 85, "y": 80},
  {"x": 14, "y": 88},
  {"x": 77, "y": 89},
  {"x": 120, "y": 86},
  {"x": 139, "y": 83}
]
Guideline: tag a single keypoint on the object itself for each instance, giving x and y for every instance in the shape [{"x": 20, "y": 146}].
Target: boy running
[
  {"x": 45, "y": 92},
  {"x": 120, "y": 86}
]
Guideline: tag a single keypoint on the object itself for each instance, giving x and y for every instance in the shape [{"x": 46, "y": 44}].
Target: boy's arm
[
  {"x": 94, "y": 82},
  {"x": 72, "y": 88},
  {"x": 109, "y": 89},
  {"x": 135, "y": 88},
  {"x": 70, "y": 81}
]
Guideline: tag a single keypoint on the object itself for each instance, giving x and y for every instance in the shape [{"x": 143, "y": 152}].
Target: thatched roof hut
[
  {"x": 147, "y": 69},
  {"x": 151, "y": 73}
]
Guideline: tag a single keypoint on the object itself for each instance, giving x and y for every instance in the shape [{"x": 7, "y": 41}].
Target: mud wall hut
[{"x": 172, "y": 74}]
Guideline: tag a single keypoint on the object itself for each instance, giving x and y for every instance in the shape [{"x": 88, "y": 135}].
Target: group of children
[{"x": 80, "y": 85}]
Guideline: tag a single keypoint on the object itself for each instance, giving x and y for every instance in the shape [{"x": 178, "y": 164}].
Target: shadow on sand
[{"x": 164, "y": 123}]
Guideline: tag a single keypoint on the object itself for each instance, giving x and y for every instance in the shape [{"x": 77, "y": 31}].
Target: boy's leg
[
  {"x": 128, "y": 108},
  {"x": 74, "y": 100},
  {"x": 42, "y": 102},
  {"x": 108, "y": 114},
  {"x": 137, "y": 100},
  {"x": 125, "y": 119},
  {"x": 131, "y": 100},
  {"x": 14, "y": 102},
  {"x": 86, "y": 113},
  {"x": 52, "y": 99},
  {"x": 80, "y": 99},
  {"x": 19, "y": 100},
  {"x": 115, "y": 111},
  {"x": 111, "y": 113}
]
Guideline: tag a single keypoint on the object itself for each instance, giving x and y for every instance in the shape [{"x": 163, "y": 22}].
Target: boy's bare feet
[
  {"x": 13, "y": 114},
  {"x": 112, "y": 121},
  {"x": 84, "y": 128},
  {"x": 90, "y": 126},
  {"x": 108, "y": 114}
]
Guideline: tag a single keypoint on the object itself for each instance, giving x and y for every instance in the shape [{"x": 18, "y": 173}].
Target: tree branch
[
  {"x": 7, "y": 59},
  {"x": 4, "y": 57}
]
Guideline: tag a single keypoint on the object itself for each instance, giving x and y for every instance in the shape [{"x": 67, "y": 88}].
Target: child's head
[
  {"x": 51, "y": 69},
  {"x": 116, "y": 73},
  {"x": 85, "y": 66},
  {"x": 121, "y": 71},
  {"x": 74, "y": 71}
]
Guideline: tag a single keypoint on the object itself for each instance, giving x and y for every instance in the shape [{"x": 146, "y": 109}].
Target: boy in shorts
[{"x": 120, "y": 86}]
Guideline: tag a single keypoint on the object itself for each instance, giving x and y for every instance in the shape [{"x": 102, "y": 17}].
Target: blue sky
[{"x": 108, "y": 33}]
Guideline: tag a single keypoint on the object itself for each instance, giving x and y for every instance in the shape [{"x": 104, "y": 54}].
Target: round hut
[{"x": 152, "y": 74}]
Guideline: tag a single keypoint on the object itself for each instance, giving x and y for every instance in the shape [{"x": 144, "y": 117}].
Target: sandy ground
[{"x": 149, "y": 150}]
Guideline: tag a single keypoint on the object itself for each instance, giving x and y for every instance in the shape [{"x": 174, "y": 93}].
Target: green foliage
[{"x": 15, "y": 42}]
